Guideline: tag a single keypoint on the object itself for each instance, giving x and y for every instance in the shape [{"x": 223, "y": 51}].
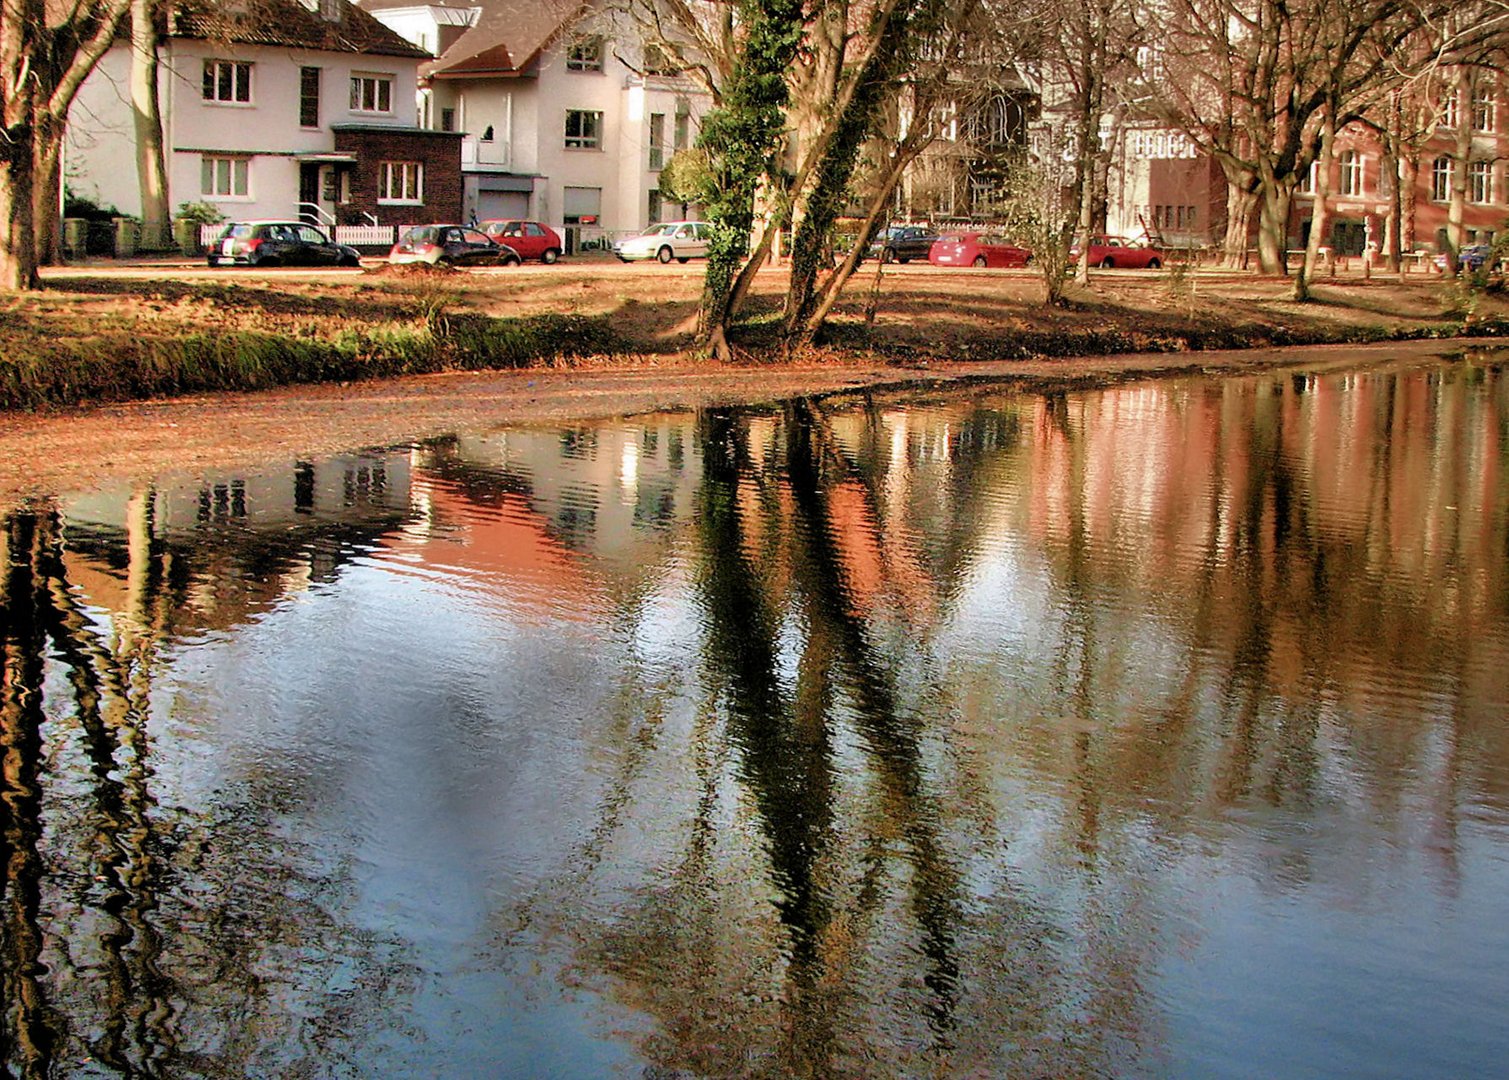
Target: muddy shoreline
[{"x": 75, "y": 449}]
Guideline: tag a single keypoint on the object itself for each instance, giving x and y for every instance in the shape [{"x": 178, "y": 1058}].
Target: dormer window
[{"x": 585, "y": 54}]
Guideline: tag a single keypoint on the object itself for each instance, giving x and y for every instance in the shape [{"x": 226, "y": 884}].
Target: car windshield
[
  {"x": 238, "y": 231},
  {"x": 658, "y": 230},
  {"x": 422, "y": 233}
]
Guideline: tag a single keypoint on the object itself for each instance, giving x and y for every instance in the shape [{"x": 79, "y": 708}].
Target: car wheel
[
  {"x": 903, "y": 258},
  {"x": 1153, "y": 264},
  {"x": 509, "y": 260},
  {"x": 683, "y": 258},
  {"x": 550, "y": 256},
  {"x": 1108, "y": 263},
  {"x": 979, "y": 260},
  {"x": 664, "y": 255},
  {"x": 349, "y": 261}
]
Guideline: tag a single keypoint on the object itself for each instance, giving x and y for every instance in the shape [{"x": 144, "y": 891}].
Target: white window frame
[
  {"x": 241, "y": 79},
  {"x": 1484, "y": 106},
  {"x": 375, "y": 81},
  {"x": 1480, "y": 182},
  {"x": 1441, "y": 176},
  {"x": 1353, "y": 173},
  {"x": 582, "y": 140},
  {"x": 1449, "y": 109},
  {"x": 225, "y": 166},
  {"x": 409, "y": 187}
]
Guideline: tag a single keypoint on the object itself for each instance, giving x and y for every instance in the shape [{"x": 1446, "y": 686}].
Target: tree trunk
[
  {"x": 146, "y": 110},
  {"x": 1273, "y": 226},
  {"x": 18, "y": 250},
  {"x": 1456, "y": 211},
  {"x": 1319, "y": 213},
  {"x": 47, "y": 192},
  {"x": 1240, "y": 201},
  {"x": 21, "y": 26}
]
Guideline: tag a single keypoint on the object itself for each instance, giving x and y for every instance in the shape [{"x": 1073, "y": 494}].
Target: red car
[
  {"x": 975, "y": 249},
  {"x": 1117, "y": 252},
  {"x": 531, "y": 239}
]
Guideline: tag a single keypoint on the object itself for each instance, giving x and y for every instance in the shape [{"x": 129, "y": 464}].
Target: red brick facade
[{"x": 438, "y": 155}]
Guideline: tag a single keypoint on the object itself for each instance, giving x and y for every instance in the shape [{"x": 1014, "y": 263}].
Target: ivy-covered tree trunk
[
  {"x": 742, "y": 137},
  {"x": 829, "y": 192}
]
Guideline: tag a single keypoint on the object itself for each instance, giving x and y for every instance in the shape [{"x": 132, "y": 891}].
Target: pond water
[{"x": 1158, "y": 730}]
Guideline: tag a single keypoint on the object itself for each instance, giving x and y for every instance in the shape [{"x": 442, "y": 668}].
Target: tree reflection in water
[
  {"x": 920, "y": 716},
  {"x": 139, "y": 939}
]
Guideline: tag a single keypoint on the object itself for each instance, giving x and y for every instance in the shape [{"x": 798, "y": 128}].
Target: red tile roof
[{"x": 288, "y": 24}]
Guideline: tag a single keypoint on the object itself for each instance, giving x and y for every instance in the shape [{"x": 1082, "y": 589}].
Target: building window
[
  {"x": 657, "y": 201},
  {"x": 1482, "y": 109},
  {"x": 400, "y": 182},
  {"x": 584, "y": 130},
  {"x": 657, "y": 141},
  {"x": 227, "y": 82},
  {"x": 1440, "y": 178},
  {"x": 309, "y": 97},
  {"x": 1351, "y": 172},
  {"x": 447, "y": 119},
  {"x": 682, "y": 136},
  {"x": 1306, "y": 185},
  {"x": 585, "y": 54},
  {"x": 1449, "y": 112},
  {"x": 1480, "y": 182},
  {"x": 372, "y": 93},
  {"x": 225, "y": 177}
]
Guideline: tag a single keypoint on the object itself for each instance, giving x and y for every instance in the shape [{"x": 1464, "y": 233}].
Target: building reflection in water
[{"x": 864, "y": 738}]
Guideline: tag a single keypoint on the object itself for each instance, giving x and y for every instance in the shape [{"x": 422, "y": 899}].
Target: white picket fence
[{"x": 355, "y": 235}]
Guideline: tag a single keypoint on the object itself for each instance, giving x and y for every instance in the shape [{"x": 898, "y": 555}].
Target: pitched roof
[
  {"x": 508, "y": 37},
  {"x": 289, "y": 24}
]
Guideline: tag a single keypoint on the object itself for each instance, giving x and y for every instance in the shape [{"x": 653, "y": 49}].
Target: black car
[
  {"x": 452, "y": 245},
  {"x": 278, "y": 243},
  {"x": 903, "y": 243}
]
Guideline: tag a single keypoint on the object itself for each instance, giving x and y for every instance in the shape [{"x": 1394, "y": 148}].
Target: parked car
[
  {"x": 278, "y": 243},
  {"x": 451, "y": 245},
  {"x": 903, "y": 243},
  {"x": 679, "y": 240},
  {"x": 531, "y": 239},
  {"x": 1472, "y": 258},
  {"x": 977, "y": 249},
  {"x": 1117, "y": 252}
]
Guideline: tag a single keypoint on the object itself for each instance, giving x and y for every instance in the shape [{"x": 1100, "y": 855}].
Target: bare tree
[{"x": 46, "y": 52}]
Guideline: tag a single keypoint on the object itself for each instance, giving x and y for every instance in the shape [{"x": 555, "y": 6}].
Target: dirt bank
[{"x": 75, "y": 449}]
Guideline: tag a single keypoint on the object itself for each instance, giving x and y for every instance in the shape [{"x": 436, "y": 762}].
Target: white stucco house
[
  {"x": 561, "y": 118},
  {"x": 273, "y": 108}
]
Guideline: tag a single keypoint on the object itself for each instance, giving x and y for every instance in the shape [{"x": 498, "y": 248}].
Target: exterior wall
[
  {"x": 1354, "y": 222},
  {"x": 527, "y": 114},
  {"x": 437, "y": 151},
  {"x": 99, "y": 151},
  {"x": 266, "y": 131},
  {"x": 1159, "y": 187}
]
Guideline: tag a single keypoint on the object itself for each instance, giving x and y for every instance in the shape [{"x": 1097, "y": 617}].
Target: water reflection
[{"x": 1147, "y": 731}]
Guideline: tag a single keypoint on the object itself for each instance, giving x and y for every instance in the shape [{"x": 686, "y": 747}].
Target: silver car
[{"x": 679, "y": 240}]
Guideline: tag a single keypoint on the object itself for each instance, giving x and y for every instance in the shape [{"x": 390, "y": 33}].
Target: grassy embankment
[{"x": 120, "y": 336}]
